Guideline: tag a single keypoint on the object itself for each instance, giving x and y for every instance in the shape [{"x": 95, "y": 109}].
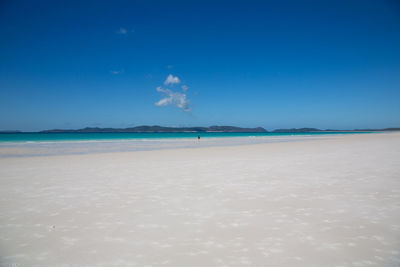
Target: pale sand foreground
[{"x": 327, "y": 202}]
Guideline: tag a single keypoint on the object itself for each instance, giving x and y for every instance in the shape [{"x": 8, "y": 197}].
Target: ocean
[
  {"x": 46, "y": 144},
  {"x": 55, "y": 137}
]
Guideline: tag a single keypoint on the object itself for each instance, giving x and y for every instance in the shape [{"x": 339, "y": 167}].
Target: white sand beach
[{"x": 329, "y": 201}]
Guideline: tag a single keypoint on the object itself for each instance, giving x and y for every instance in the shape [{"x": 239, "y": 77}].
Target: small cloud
[
  {"x": 122, "y": 31},
  {"x": 172, "y": 80},
  {"x": 170, "y": 66},
  {"x": 115, "y": 72},
  {"x": 177, "y": 99}
]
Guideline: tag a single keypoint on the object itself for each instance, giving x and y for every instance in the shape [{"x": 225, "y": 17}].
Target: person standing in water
[{"x": 198, "y": 138}]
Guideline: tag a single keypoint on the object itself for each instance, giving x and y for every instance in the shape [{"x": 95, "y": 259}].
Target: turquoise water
[{"x": 41, "y": 137}]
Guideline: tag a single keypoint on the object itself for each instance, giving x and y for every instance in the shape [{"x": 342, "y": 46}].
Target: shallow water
[
  {"x": 40, "y": 137},
  {"x": 64, "y": 147}
]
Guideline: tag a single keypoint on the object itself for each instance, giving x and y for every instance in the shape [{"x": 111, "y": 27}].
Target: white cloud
[
  {"x": 115, "y": 72},
  {"x": 174, "y": 98},
  {"x": 122, "y": 31},
  {"x": 171, "y": 79},
  {"x": 184, "y": 88}
]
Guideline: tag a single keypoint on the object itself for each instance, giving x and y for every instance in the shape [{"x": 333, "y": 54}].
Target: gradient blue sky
[{"x": 278, "y": 64}]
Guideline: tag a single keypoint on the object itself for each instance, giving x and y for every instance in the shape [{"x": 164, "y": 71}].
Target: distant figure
[{"x": 198, "y": 137}]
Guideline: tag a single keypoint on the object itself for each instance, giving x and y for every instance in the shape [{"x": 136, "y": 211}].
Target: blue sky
[{"x": 277, "y": 64}]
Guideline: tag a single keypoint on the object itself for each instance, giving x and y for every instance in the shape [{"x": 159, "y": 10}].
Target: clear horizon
[
  {"x": 120, "y": 64},
  {"x": 267, "y": 129}
]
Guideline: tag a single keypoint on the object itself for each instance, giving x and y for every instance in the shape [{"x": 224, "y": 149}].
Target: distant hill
[
  {"x": 380, "y": 130},
  {"x": 225, "y": 129},
  {"x": 297, "y": 130},
  {"x": 308, "y": 130},
  {"x": 10, "y": 131},
  {"x": 160, "y": 129}
]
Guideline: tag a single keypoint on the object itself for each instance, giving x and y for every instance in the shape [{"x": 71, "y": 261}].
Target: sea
[
  {"x": 50, "y": 144},
  {"x": 55, "y": 137}
]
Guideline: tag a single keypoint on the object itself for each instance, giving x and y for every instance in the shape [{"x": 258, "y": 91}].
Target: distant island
[
  {"x": 309, "y": 130},
  {"x": 220, "y": 129},
  {"x": 161, "y": 129},
  {"x": 10, "y": 131},
  {"x": 224, "y": 129}
]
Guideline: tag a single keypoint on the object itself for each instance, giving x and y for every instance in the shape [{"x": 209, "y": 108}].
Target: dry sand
[{"x": 333, "y": 201}]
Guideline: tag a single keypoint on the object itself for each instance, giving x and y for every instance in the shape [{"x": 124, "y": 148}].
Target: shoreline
[
  {"x": 77, "y": 147},
  {"x": 109, "y": 136}
]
